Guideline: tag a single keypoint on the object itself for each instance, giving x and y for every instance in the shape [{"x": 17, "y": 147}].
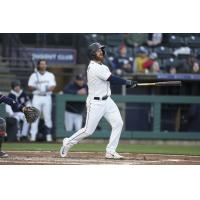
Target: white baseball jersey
[
  {"x": 42, "y": 82},
  {"x": 42, "y": 98},
  {"x": 97, "y": 74}
]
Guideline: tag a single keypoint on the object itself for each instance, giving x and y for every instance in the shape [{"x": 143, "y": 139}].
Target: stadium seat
[
  {"x": 95, "y": 38},
  {"x": 193, "y": 41},
  {"x": 181, "y": 34},
  {"x": 130, "y": 51},
  {"x": 197, "y": 52},
  {"x": 183, "y": 56},
  {"x": 164, "y": 52},
  {"x": 110, "y": 51},
  {"x": 167, "y": 63},
  {"x": 140, "y": 49},
  {"x": 176, "y": 41},
  {"x": 114, "y": 39}
]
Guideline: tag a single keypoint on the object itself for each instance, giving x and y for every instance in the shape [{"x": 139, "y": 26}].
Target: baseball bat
[{"x": 166, "y": 83}]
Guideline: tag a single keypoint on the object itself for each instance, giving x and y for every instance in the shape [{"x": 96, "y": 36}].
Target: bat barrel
[
  {"x": 169, "y": 83},
  {"x": 164, "y": 83}
]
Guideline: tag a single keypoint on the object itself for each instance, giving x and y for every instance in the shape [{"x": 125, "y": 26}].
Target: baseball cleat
[
  {"x": 3, "y": 154},
  {"x": 114, "y": 155},
  {"x": 65, "y": 148}
]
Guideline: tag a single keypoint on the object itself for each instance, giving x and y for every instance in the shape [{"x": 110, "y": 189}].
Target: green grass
[{"x": 128, "y": 148}]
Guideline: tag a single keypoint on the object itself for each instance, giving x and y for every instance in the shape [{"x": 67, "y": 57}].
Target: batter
[{"x": 99, "y": 103}]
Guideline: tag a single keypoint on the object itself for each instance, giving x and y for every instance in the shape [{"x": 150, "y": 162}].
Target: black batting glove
[{"x": 130, "y": 83}]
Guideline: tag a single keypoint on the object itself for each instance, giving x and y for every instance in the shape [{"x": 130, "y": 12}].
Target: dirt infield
[{"x": 88, "y": 158}]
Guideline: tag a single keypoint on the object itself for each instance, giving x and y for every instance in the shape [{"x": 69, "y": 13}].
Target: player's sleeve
[
  {"x": 102, "y": 72},
  {"x": 9, "y": 110},
  {"x": 15, "y": 106},
  {"x": 31, "y": 81},
  {"x": 115, "y": 80}
]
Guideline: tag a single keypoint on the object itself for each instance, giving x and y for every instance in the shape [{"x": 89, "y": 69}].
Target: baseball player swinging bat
[{"x": 158, "y": 84}]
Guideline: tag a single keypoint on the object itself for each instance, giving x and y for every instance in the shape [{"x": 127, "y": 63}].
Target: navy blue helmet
[{"x": 93, "y": 48}]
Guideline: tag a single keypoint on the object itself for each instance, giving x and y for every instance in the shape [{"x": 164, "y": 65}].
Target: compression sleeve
[
  {"x": 115, "y": 80},
  {"x": 15, "y": 106}
]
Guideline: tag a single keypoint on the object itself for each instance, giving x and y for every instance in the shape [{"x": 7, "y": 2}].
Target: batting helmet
[
  {"x": 2, "y": 127},
  {"x": 93, "y": 48},
  {"x": 15, "y": 83}
]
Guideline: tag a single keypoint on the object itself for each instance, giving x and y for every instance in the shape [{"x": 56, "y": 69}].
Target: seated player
[{"x": 21, "y": 97}]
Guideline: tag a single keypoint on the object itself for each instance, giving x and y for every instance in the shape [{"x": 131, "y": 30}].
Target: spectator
[
  {"x": 42, "y": 83},
  {"x": 195, "y": 68},
  {"x": 195, "y": 90},
  {"x": 187, "y": 64},
  {"x": 167, "y": 63},
  {"x": 136, "y": 39},
  {"x": 154, "y": 39},
  {"x": 122, "y": 62},
  {"x": 193, "y": 64},
  {"x": 172, "y": 70},
  {"x": 154, "y": 65},
  {"x": 74, "y": 110},
  {"x": 142, "y": 62},
  {"x": 22, "y": 99}
]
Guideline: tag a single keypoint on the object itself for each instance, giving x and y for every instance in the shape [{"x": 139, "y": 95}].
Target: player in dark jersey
[{"x": 16, "y": 108}]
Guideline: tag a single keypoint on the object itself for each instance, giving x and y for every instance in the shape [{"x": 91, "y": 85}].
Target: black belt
[{"x": 99, "y": 98}]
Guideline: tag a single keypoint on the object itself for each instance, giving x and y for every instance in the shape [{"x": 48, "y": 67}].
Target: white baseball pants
[
  {"x": 73, "y": 120},
  {"x": 20, "y": 116},
  {"x": 96, "y": 109},
  {"x": 44, "y": 104}
]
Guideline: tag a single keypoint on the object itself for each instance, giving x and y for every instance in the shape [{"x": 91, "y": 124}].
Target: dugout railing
[{"x": 155, "y": 101}]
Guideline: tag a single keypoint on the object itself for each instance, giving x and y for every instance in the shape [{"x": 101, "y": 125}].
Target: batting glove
[{"x": 131, "y": 84}]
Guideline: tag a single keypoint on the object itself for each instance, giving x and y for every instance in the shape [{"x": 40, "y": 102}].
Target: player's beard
[{"x": 100, "y": 58}]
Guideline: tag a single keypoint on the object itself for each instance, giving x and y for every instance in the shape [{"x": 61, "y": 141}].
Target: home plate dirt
[{"x": 88, "y": 158}]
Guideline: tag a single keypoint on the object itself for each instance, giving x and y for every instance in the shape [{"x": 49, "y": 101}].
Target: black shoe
[{"x": 3, "y": 154}]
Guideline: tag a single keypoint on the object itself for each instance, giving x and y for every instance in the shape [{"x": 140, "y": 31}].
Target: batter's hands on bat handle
[{"x": 131, "y": 84}]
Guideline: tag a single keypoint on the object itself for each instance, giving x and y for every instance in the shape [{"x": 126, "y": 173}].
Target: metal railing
[{"x": 155, "y": 101}]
